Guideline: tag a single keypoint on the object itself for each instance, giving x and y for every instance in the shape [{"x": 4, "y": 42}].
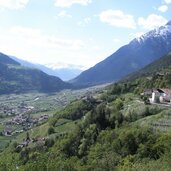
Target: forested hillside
[
  {"x": 15, "y": 78},
  {"x": 162, "y": 65}
]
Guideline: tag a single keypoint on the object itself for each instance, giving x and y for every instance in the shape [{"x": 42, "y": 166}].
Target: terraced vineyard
[{"x": 163, "y": 124}]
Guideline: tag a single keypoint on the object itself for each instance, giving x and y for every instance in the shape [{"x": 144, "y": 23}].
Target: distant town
[{"x": 20, "y": 116}]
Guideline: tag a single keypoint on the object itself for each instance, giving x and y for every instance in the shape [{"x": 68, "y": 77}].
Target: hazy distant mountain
[
  {"x": 15, "y": 78},
  {"x": 129, "y": 58},
  {"x": 65, "y": 73}
]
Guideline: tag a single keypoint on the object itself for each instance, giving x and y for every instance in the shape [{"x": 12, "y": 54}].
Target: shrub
[{"x": 51, "y": 130}]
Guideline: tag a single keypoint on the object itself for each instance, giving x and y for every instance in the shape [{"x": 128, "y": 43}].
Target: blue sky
[{"x": 77, "y": 32}]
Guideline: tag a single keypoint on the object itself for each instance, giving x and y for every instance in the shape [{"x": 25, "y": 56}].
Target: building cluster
[
  {"x": 26, "y": 142},
  {"x": 158, "y": 95},
  {"x": 25, "y": 121},
  {"x": 10, "y": 110}
]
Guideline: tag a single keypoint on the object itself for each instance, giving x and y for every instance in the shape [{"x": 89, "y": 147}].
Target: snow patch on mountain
[{"x": 161, "y": 32}]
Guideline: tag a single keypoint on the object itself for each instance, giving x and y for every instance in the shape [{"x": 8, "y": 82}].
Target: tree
[{"x": 27, "y": 136}]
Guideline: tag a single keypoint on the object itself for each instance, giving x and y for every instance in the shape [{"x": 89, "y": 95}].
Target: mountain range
[
  {"x": 129, "y": 58},
  {"x": 65, "y": 73},
  {"x": 15, "y": 78}
]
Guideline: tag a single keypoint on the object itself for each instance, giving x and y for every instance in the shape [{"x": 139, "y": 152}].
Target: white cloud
[
  {"x": 152, "y": 21},
  {"x": 138, "y": 34},
  {"x": 167, "y": 1},
  {"x": 68, "y": 3},
  {"x": 116, "y": 40},
  {"x": 85, "y": 22},
  {"x": 34, "y": 37},
  {"x": 39, "y": 47},
  {"x": 60, "y": 65},
  {"x": 13, "y": 4},
  {"x": 64, "y": 14},
  {"x": 117, "y": 18},
  {"x": 163, "y": 8},
  {"x": 96, "y": 47}
]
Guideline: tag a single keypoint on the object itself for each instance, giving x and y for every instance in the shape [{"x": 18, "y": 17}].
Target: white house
[
  {"x": 155, "y": 97},
  {"x": 161, "y": 96}
]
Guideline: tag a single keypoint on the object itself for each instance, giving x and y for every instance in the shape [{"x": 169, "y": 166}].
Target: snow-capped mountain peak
[
  {"x": 161, "y": 32},
  {"x": 169, "y": 23}
]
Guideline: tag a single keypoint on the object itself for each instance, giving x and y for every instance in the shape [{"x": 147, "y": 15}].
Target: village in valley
[
  {"x": 19, "y": 113},
  {"x": 25, "y": 121},
  {"x": 22, "y": 113}
]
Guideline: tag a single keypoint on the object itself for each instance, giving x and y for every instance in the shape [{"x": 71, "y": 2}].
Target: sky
[{"x": 78, "y": 33}]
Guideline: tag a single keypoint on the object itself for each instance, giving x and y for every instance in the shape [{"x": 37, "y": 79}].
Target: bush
[
  {"x": 51, "y": 130},
  {"x": 49, "y": 142}
]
